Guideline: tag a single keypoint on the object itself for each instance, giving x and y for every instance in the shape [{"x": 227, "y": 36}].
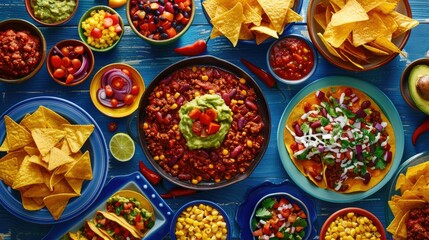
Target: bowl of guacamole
[{"x": 51, "y": 12}]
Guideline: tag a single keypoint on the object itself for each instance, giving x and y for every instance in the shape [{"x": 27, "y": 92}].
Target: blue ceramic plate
[
  {"x": 386, "y": 106},
  {"x": 134, "y": 181},
  {"x": 96, "y": 145},
  {"x": 297, "y": 6},
  {"x": 256, "y": 194}
]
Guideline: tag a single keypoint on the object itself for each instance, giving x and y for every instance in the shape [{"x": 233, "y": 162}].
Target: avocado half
[{"x": 418, "y": 86}]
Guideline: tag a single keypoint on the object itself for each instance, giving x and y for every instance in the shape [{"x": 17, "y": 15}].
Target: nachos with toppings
[{"x": 340, "y": 139}]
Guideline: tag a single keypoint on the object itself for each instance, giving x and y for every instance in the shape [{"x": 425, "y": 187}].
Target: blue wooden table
[{"x": 150, "y": 60}]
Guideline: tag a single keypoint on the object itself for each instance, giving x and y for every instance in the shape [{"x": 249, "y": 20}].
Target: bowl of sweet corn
[
  {"x": 352, "y": 223},
  {"x": 201, "y": 219},
  {"x": 101, "y": 28}
]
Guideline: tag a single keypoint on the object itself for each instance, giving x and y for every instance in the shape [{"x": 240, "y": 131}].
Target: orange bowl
[{"x": 357, "y": 212}]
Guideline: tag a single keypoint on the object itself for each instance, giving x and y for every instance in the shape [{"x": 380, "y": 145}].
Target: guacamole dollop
[
  {"x": 224, "y": 118},
  {"x": 52, "y": 11}
]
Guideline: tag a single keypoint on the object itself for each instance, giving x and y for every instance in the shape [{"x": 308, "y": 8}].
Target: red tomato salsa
[
  {"x": 291, "y": 58},
  {"x": 417, "y": 223}
]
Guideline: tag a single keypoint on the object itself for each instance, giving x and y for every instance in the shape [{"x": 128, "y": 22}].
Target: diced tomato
[
  {"x": 213, "y": 128},
  {"x": 65, "y": 51},
  {"x": 69, "y": 78},
  {"x": 291, "y": 218},
  {"x": 328, "y": 127},
  {"x": 299, "y": 228},
  {"x": 285, "y": 212},
  {"x": 300, "y": 146},
  {"x": 115, "y": 18},
  {"x": 107, "y": 22},
  {"x": 79, "y": 50},
  {"x": 197, "y": 127},
  {"x": 96, "y": 33},
  {"x": 266, "y": 228},
  {"x": 258, "y": 232},
  {"x": 118, "y": 28},
  {"x": 71, "y": 70},
  {"x": 302, "y": 214},
  {"x": 296, "y": 207},
  {"x": 195, "y": 113},
  {"x": 205, "y": 119},
  {"x": 280, "y": 235},
  {"x": 117, "y": 230},
  {"x": 283, "y": 201},
  {"x": 212, "y": 113},
  {"x": 294, "y": 146},
  {"x": 139, "y": 225}
]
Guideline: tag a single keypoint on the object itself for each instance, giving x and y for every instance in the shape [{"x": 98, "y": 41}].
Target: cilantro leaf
[
  {"x": 263, "y": 213},
  {"x": 300, "y": 222},
  {"x": 380, "y": 164},
  {"x": 305, "y": 128},
  {"x": 268, "y": 203}
]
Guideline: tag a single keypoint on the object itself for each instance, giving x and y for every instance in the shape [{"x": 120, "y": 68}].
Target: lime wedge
[{"x": 122, "y": 147}]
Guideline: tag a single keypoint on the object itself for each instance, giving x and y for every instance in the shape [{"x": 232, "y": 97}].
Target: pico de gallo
[
  {"x": 291, "y": 58},
  {"x": 278, "y": 218}
]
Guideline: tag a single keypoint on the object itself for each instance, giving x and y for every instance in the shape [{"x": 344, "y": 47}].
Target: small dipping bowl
[
  {"x": 292, "y": 59},
  {"x": 23, "y": 25},
  {"x": 358, "y": 212},
  {"x": 200, "y": 213},
  {"x": 71, "y": 48},
  {"x": 92, "y": 35},
  {"x": 411, "y": 95},
  {"x": 51, "y": 15}
]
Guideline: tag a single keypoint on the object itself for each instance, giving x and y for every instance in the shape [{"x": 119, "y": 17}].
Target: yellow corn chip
[
  {"x": 53, "y": 119},
  {"x": 58, "y": 158},
  {"x": 328, "y": 46},
  {"x": 368, "y": 5},
  {"x": 385, "y": 43},
  {"x": 28, "y": 174},
  {"x": 8, "y": 170},
  {"x": 337, "y": 35},
  {"x": 245, "y": 33},
  {"x": 264, "y": 28},
  {"x": 63, "y": 187},
  {"x": 77, "y": 135},
  {"x": 81, "y": 169},
  {"x": 37, "y": 190},
  {"x": 32, "y": 204},
  {"x": 344, "y": 54},
  {"x": 35, "y": 120},
  {"x": 250, "y": 15},
  {"x": 76, "y": 184},
  {"x": 351, "y": 12},
  {"x": 57, "y": 203},
  {"x": 38, "y": 160},
  {"x": 229, "y": 23},
  {"x": 46, "y": 138},
  {"x": 404, "y": 23},
  {"x": 17, "y": 136},
  {"x": 276, "y": 12},
  {"x": 401, "y": 231},
  {"x": 369, "y": 30}
]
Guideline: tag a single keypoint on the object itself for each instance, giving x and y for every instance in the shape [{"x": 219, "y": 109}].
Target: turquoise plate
[
  {"x": 382, "y": 101},
  {"x": 96, "y": 145}
]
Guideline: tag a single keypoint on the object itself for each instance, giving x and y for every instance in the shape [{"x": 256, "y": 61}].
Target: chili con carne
[
  {"x": 193, "y": 49},
  {"x": 423, "y": 127},
  {"x": 150, "y": 175},
  {"x": 269, "y": 80}
]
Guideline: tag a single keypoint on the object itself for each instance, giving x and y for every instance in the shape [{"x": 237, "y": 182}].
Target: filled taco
[
  {"x": 111, "y": 226},
  {"x": 340, "y": 139},
  {"x": 88, "y": 231},
  {"x": 133, "y": 209}
]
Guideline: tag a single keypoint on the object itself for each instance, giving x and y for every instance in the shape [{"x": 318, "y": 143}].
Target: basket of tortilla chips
[{"x": 359, "y": 35}]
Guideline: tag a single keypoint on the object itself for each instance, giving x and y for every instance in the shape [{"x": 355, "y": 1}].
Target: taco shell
[
  {"x": 145, "y": 207},
  {"x": 116, "y": 220},
  {"x": 79, "y": 235}
]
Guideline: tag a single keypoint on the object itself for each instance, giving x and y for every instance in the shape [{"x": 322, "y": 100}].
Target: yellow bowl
[{"x": 125, "y": 110}]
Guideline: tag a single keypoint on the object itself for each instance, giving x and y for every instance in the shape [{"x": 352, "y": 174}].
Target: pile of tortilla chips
[
  {"x": 44, "y": 161},
  {"x": 414, "y": 193},
  {"x": 249, "y": 19},
  {"x": 356, "y": 30}
]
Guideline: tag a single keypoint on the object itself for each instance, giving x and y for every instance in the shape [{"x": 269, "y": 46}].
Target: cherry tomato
[
  {"x": 59, "y": 73},
  {"x": 56, "y": 61},
  {"x": 69, "y": 78},
  {"x": 135, "y": 90},
  {"x": 115, "y": 19},
  {"x": 113, "y": 102},
  {"x": 96, "y": 33},
  {"x": 109, "y": 91},
  {"x": 71, "y": 70},
  {"x": 118, "y": 83},
  {"x": 79, "y": 50},
  {"x": 118, "y": 28},
  {"x": 76, "y": 63},
  {"x": 113, "y": 126},
  {"x": 107, "y": 22},
  {"x": 129, "y": 99},
  {"x": 65, "y": 61},
  {"x": 65, "y": 51},
  {"x": 126, "y": 71}
]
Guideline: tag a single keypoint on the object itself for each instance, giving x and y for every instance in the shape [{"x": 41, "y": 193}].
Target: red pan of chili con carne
[{"x": 163, "y": 143}]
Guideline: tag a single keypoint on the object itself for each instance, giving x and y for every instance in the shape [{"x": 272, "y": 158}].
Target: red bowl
[{"x": 357, "y": 211}]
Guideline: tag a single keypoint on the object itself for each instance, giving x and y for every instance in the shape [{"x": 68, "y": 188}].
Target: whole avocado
[{"x": 418, "y": 85}]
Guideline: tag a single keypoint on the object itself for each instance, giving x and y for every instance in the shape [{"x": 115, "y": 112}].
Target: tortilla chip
[
  {"x": 376, "y": 51},
  {"x": 53, "y": 119},
  {"x": 9, "y": 170},
  {"x": 229, "y": 23},
  {"x": 82, "y": 168},
  {"x": 75, "y": 184},
  {"x": 330, "y": 48},
  {"x": 28, "y": 174},
  {"x": 35, "y": 120},
  {"x": 57, "y": 203},
  {"x": 352, "y": 12},
  {"x": 245, "y": 33},
  {"x": 337, "y": 35},
  {"x": 276, "y": 12},
  {"x": 63, "y": 187},
  {"x": 367, "y": 31},
  {"x": 58, "y": 158},
  {"x": 17, "y": 136},
  {"x": 250, "y": 15},
  {"x": 77, "y": 135},
  {"x": 38, "y": 160},
  {"x": 385, "y": 43},
  {"x": 264, "y": 28},
  {"x": 404, "y": 23},
  {"x": 31, "y": 204},
  {"x": 46, "y": 138},
  {"x": 37, "y": 190},
  {"x": 401, "y": 231},
  {"x": 368, "y": 5}
]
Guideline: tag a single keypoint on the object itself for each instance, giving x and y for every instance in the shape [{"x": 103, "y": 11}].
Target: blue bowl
[{"x": 195, "y": 203}]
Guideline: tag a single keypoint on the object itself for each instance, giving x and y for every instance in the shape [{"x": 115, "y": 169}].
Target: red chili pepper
[
  {"x": 150, "y": 175},
  {"x": 178, "y": 192},
  {"x": 269, "y": 80},
  {"x": 193, "y": 49},
  {"x": 423, "y": 127}
]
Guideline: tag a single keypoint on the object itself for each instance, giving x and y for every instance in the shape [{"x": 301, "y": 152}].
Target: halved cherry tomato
[
  {"x": 213, "y": 128},
  {"x": 195, "y": 113},
  {"x": 197, "y": 127},
  {"x": 118, "y": 28},
  {"x": 212, "y": 113},
  {"x": 112, "y": 126},
  {"x": 109, "y": 91},
  {"x": 71, "y": 70},
  {"x": 76, "y": 63},
  {"x": 139, "y": 225},
  {"x": 115, "y": 18},
  {"x": 69, "y": 78},
  {"x": 79, "y": 50},
  {"x": 129, "y": 99},
  {"x": 205, "y": 119},
  {"x": 59, "y": 73},
  {"x": 118, "y": 83},
  {"x": 107, "y": 22},
  {"x": 56, "y": 61},
  {"x": 65, "y": 51},
  {"x": 135, "y": 90},
  {"x": 65, "y": 61},
  {"x": 113, "y": 102},
  {"x": 126, "y": 71},
  {"x": 96, "y": 33}
]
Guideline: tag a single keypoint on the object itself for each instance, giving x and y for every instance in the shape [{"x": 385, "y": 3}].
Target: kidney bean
[
  {"x": 257, "y": 119},
  {"x": 367, "y": 178},
  {"x": 226, "y": 98},
  {"x": 167, "y": 118},
  {"x": 184, "y": 176},
  {"x": 180, "y": 100},
  {"x": 213, "y": 156},
  {"x": 183, "y": 88},
  {"x": 324, "y": 112},
  {"x": 172, "y": 161},
  {"x": 232, "y": 93},
  {"x": 365, "y": 104},
  {"x": 298, "y": 131},
  {"x": 243, "y": 86},
  {"x": 251, "y": 105},
  {"x": 159, "y": 117},
  {"x": 237, "y": 150},
  {"x": 241, "y": 123},
  {"x": 316, "y": 124},
  {"x": 203, "y": 153}
]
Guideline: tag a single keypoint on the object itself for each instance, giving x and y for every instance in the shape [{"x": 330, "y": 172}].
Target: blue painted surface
[{"x": 150, "y": 60}]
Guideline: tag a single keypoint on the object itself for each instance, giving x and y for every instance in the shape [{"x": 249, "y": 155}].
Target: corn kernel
[
  {"x": 176, "y": 95},
  {"x": 211, "y": 91},
  {"x": 156, "y": 158},
  {"x": 233, "y": 101},
  {"x": 243, "y": 92},
  {"x": 161, "y": 157},
  {"x": 167, "y": 95},
  {"x": 249, "y": 143},
  {"x": 242, "y": 80},
  {"x": 194, "y": 181},
  {"x": 158, "y": 94},
  {"x": 196, "y": 94},
  {"x": 240, "y": 101},
  {"x": 204, "y": 77},
  {"x": 194, "y": 69},
  {"x": 174, "y": 106},
  {"x": 176, "y": 166},
  {"x": 225, "y": 151}
]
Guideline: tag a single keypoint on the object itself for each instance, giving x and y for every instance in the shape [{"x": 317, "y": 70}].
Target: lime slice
[{"x": 122, "y": 147}]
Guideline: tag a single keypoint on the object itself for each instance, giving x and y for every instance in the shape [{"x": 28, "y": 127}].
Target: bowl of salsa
[{"x": 292, "y": 59}]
